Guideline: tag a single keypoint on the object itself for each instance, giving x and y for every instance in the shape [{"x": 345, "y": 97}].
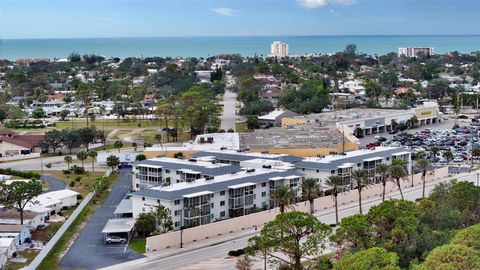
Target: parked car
[
  {"x": 115, "y": 239},
  {"x": 458, "y": 159}
]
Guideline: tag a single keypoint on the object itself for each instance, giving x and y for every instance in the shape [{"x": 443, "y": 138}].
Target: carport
[{"x": 122, "y": 227}]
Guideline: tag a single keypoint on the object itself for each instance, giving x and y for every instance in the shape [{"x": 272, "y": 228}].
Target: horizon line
[{"x": 239, "y": 36}]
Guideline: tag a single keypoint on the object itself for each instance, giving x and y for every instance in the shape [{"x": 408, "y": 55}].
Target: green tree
[
  {"x": 373, "y": 89},
  {"x": 360, "y": 176},
  {"x": 252, "y": 122},
  {"x": 68, "y": 160},
  {"x": 52, "y": 139},
  {"x": 38, "y": 113},
  {"x": 475, "y": 153},
  {"x": 163, "y": 216},
  {"x": 310, "y": 191},
  {"x": 468, "y": 237},
  {"x": 434, "y": 150},
  {"x": 145, "y": 224},
  {"x": 113, "y": 162},
  {"x": 82, "y": 156},
  {"x": 295, "y": 235},
  {"x": 118, "y": 145},
  {"x": 371, "y": 259},
  {"x": 354, "y": 234},
  {"x": 18, "y": 194},
  {"x": 423, "y": 165},
  {"x": 140, "y": 157},
  {"x": 452, "y": 257},
  {"x": 448, "y": 155},
  {"x": 383, "y": 171},
  {"x": 398, "y": 174},
  {"x": 334, "y": 183},
  {"x": 282, "y": 197},
  {"x": 465, "y": 196},
  {"x": 92, "y": 154}
]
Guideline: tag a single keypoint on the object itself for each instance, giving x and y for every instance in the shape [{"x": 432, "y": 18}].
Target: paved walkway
[
  {"x": 88, "y": 251},
  {"x": 54, "y": 183},
  {"x": 228, "y": 116}
]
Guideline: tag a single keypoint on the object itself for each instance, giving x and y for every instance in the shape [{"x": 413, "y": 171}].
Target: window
[
  {"x": 264, "y": 194},
  {"x": 222, "y": 203},
  {"x": 178, "y": 172},
  {"x": 143, "y": 198},
  {"x": 167, "y": 171},
  {"x": 222, "y": 193},
  {"x": 388, "y": 158},
  {"x": 332, "y": 172},
  {"x": 303, "y": 169},
  {"x": 359, "y": 164},
  {"x": 222, "y": 214},
  {"x": 177, "y": 212},
  {"x": 177, "y": 202},
  {"x": 264, "y": 184},
  {"x": 177, "y": 223},
  {"x": 212, "y": 205}
]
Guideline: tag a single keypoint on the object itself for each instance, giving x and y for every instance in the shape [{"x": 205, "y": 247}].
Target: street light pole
[
  {"x": 412, "y": 174},
  {"x": 181, "y": 229},
  {"x": 478, "y": 175}
]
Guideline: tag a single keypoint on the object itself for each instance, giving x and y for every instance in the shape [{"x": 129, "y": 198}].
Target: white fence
[
  {"x": 38, "y": 260},
  {"x": 18, "y": 157},
  {"x": 41, "y": 256}
]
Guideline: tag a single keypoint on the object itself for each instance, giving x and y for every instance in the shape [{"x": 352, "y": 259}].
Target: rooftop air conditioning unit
[
  {"x": 250, "y": 170},
  {"x": 192, "y": 160}
]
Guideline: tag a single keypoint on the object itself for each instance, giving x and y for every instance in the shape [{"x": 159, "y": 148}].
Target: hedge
[{"x": 26, "y": 175}]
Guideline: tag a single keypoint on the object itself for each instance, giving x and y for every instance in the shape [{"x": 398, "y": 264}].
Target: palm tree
[
  {"x": 283, "y": 197},
  {"x": 68, "y": 160},
  {"x": 93, "y": 155},
  {"x": 398, "y": 173},
  {"x": 310, "y": 191},
  {"x": 82, "y": 155},
  {"x": 360, "y": 176},
  {"x": 448, "y": 155},
  {"x": 382, "y": 170},
  {"x": 118, "y": 145},
  {"x": 434, "y": 151},
  {"x": 334, "y": 182},
  {"x": 423, "y": 165}
]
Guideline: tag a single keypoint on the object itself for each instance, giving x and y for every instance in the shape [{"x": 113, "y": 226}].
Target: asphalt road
[
  {"x": 54, "y": 183},
  {"x": 192, "y": 258},
  {"x": 228, "y": 116},
  {"x": 88, "y": 251}
]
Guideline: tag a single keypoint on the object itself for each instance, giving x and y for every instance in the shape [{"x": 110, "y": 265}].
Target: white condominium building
[
  {"x": 206, "y": 200},
  {"x": 279, "y": 49},
  {"x": 415, "y": 51}
]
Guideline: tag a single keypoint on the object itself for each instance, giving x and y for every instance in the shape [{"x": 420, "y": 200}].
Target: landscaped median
[{"x": 101, "y": 187}]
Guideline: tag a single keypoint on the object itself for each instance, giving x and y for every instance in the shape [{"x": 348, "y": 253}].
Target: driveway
[
  {"x": 88, "y": 250},
  {"x": 228, "y": 116},
  {"x": 54, "y": 183}
]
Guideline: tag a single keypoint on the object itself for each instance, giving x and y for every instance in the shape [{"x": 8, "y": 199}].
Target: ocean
[{"x": 13, "y": 49}]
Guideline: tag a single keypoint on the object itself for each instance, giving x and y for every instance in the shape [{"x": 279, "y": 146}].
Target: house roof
[
  {"x": 11, "y": 227},
  {"x": 178, "y": 191},
  {"x": 6, "y": 213},
  {"x": 28, "y": 141},
  {"x": 119, "y": 225}
]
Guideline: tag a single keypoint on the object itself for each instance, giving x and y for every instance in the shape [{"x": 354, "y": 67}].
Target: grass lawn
[
  {"x": 82, "y": 185},
  {"x": 30, "y": 254},
  {"x": 47, "y": 233},
  {"x": 241, "y": 127},
  {"x": 138, "y": 245},
  {"x": 108, "y": 124},
  {"x": 53, "y": 258}
]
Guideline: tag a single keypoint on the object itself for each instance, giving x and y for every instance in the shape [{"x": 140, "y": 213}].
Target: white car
[
  {"x": 458, "y": 159},
  {"x": 115, "y": 239}
]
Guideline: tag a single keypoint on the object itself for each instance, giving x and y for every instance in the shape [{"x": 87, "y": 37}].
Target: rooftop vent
[
  {"x": 250, "y": 170},
  {"x": 208, "y": 177},
  {"x": 192, "y": 160}
]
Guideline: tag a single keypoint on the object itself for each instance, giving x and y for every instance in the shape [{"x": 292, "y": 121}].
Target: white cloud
[
  {"x": 333, "y": 12},
  {"x": 323, "y": 3},
  {"x": 224, "y": 11}
]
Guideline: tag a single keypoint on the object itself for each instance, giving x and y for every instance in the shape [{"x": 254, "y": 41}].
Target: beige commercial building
[{"x": 279, "y": 49}]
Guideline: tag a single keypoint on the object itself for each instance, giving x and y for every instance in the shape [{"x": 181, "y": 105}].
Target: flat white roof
[
  {"x": 272, "y": 115},
  {"x": 52, "y": 197},
  {"x": 125, "y": 206},
  {"x": 247, "y": 184},
  {"x": 401, "y": 153},
  {"x": 350, "y": 154},
  {"x": 6, "y": 242},
  {"x": 119, "y": 225},
  {"x": 373, "y": 158},
  {"x": 220, "y": 140},
  {"x": 196, "y": 194}
]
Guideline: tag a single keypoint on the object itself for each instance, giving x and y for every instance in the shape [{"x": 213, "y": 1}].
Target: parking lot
[
  {"x": 88, "y": 251},
  {"x": 442, "y": 136}
]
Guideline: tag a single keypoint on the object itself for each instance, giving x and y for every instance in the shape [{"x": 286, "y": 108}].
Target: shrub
[
  {"x": 72, "y": 183},
  {"x": 78, "y": 170},
  {"x": 79, "y": 196},
  {"x": 236, "y": 253},
  {"x": 22, "y": 174},
  {"x": 67, "y": 172},
  {"x": 78, "y": 178}
]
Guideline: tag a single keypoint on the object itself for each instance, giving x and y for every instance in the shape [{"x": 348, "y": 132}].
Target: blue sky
[{"x": 133, "y": 18}]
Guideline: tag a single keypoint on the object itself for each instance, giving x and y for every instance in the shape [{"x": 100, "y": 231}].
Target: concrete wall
[{"x": 190, "y": 235}]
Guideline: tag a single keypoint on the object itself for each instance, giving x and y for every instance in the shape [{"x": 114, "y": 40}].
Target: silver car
[{"x": 115, "y": 239}]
